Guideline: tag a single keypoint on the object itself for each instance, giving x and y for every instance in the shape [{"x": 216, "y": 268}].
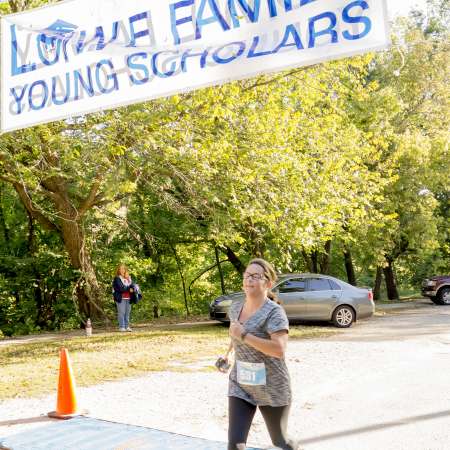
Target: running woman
[{"x": 259, "y": 377}]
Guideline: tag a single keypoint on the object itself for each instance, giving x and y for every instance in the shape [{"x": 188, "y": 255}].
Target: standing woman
[
  {"x": 122, "y": 296},
  {"x": 259, "y": 377}
]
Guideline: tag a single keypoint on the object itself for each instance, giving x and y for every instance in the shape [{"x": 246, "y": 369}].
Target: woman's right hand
[{"x": 225, "y": 364}]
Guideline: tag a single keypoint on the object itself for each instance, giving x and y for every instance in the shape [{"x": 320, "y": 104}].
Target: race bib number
[{"x": 253, "y": 374}]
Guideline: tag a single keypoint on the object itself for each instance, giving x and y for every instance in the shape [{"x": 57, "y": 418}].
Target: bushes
[{"x": 35, "y": 294}]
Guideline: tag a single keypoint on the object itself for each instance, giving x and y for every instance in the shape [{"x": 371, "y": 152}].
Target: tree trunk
[
  {"x": 311, "y": 260},
  {"x": 180, "y": 271},
  {"x": 314, "y": 262},
  {"x": 349, "y": 268},
  {"x": 377, "y": 284},
  {"x": 31, "y": 243},
  {"x": 87, "y": 289},
  {"x": 3, "y": 226},
  {"x": 233, "y": 258},
  {"x": 391, "y": 285},
  {"x": 39, "y": 297},
  {"x": 39, "y": 300},
  {"x": 219, "y": 268},
  {"x": 18, "y": 5},
  {"x": 156, "y": 278},
  {"x": 325, "y": 259},
  {"x": 308, "y": 261},
  {"x": 16, "y": 296}
]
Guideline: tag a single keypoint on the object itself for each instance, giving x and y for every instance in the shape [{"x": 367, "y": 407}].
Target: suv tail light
[{"x": 370, "y": 296}]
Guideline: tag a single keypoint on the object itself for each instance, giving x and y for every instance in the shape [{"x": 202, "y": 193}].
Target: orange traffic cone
[{"x": 66, "y": 404}]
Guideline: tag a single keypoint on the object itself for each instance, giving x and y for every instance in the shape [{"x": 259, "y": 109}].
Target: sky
[
  {"x": 395, "y": 6},
  {"x": 402, "y": 7}
]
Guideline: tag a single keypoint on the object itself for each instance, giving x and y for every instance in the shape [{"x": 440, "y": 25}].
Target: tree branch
[
  {"x": 91, "y": 199},
  {"x": 273, "y": 80},
  {"x": 7, "y": 179},
  {"x": 28, "y": 204},
  {"x": 18, "y": 5},
  {"x": 99, "y": 201},
  {"x": 51, "y": 191}
]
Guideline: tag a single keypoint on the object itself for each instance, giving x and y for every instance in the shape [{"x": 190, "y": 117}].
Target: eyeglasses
[{"x": 254, "y": 276}]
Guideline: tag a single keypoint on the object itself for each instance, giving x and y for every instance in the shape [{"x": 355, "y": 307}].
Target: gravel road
[{"x": 383, "y": 384}]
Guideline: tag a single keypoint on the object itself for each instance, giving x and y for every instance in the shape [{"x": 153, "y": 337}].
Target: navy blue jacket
[{"x": 119, "y": 288}]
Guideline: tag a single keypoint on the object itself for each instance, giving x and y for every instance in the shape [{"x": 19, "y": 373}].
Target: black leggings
[{"x": 240, "y": 417}]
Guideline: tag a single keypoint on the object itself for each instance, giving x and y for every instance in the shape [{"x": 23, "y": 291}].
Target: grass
[
  {"x": 31, "y": 369},
  {"x": 405, "y": 296}
]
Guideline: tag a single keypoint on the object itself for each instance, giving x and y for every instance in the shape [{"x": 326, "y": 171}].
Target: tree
[
  {"x": 60, "y": 172},
  {"x": 408, "y": 114}
]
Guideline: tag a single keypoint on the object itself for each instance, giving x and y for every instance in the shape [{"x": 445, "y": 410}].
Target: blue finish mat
[{"x": 85, "y": 433}]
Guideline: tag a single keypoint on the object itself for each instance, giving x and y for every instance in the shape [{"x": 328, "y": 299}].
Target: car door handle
[{"x": 334, "y": 296}]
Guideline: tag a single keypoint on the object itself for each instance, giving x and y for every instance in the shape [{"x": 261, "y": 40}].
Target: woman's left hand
[{"x": 236, "y": 329}]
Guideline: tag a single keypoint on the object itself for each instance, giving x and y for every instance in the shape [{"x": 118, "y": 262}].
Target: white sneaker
[
  {"x": 129, "y": 329},
  {"x": 122, "y": 329}
]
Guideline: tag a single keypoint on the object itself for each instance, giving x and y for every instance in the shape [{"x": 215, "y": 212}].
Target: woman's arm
[
  {"x": 230, "y": 349},
  {"x": 275, "y": 346}
]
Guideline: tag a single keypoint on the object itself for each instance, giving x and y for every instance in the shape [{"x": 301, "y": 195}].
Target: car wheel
[
  {"x": 344, "y": 316},
  {"x": 444, "y": 296},
  {"x": 436, "y": 301}
]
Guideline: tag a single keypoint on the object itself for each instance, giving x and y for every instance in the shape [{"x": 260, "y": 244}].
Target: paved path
[
  {"x": 42, "y": 337},
  {"x": 382, "y": 384}
]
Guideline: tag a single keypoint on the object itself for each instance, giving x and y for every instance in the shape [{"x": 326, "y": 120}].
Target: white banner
[{"x": 82, "y": 56}]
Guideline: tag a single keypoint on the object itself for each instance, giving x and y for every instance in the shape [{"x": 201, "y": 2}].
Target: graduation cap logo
[{"x": 60, "y": 29}]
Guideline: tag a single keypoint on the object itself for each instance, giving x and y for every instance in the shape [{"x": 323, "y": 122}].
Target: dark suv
[{"x": 437, "y": 289}]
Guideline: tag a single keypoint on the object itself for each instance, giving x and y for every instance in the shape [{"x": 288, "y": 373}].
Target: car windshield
[{"x": 280, "y": 279}]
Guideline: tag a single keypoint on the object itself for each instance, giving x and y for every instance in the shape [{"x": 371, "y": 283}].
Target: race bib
[{"x": 253, "y": 374}]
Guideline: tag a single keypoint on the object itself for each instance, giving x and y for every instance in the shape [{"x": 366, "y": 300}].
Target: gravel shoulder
[{"x": 381, "y": 384}]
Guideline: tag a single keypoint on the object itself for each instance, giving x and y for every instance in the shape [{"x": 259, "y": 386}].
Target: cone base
[{"x": 57, "y": 415}]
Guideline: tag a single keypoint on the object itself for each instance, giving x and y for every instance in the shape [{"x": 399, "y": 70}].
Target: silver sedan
[{"x": 309, "y": 296}]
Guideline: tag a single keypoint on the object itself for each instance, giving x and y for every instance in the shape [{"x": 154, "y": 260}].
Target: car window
[
  {"x": 319, "y": 284},
  {"x": 293, "y": 285},
  {"x": 334, "y": 285}
]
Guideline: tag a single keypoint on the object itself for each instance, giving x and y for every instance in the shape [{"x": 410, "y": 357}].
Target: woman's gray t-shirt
[{"x": 269, "y": 319}]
